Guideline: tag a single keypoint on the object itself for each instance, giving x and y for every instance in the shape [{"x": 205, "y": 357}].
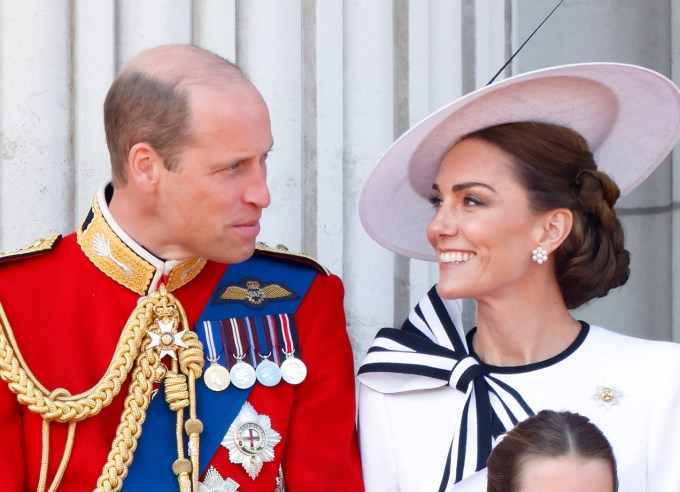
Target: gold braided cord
[
  {"x": 45, "y": 454},
  {"x": 177, "y": 397},
  {"x": 59, "y": 405},
  {"x": 44, "y": 459},
  {"x": 191, "y": 358},
  {"x": 139, "y": 397},
  {"x": 176, "y": 391},
  {"x": 191, "y": 361},
  {"x": 66, "y": 456},
  {"x": 130, "y": 427},
  {"x": 180, "y": 393},
  {"x": 132, "y": 350}
]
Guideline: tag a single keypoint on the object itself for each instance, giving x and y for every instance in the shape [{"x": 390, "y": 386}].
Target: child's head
[{"x": 553, "y": 452}]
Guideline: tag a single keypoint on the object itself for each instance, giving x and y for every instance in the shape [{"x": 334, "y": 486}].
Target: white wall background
[{"x": 343, "y": 79}]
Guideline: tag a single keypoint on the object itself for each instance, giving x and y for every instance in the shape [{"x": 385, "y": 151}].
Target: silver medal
[
  {"x": 293, "y": 370},
  {"x": 242, "y": 375},
  {"x": 216, "y": 377},
  {"x": 268, "y": 373}
]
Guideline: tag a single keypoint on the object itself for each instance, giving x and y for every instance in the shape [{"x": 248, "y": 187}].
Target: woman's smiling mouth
[{"x": 455, "y": 256}]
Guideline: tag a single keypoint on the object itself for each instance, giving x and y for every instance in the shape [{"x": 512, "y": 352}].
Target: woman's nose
[{"x": 443, "y": 223}]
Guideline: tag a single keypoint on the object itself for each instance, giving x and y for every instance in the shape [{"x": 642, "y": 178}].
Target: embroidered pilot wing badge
[
  {"x": 253, "y": 293},
  {"x": 251, "y": 440}
]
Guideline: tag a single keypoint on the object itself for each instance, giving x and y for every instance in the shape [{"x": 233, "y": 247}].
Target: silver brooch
[
  {"x": 251, "y": 440},
  {"x": 213, "y": 482}
]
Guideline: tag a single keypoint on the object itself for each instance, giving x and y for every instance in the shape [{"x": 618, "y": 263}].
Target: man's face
[{"x": 210, "y": 206}]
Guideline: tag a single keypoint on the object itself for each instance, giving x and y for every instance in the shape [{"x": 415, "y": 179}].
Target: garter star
[{"x": 251, "y": 440}]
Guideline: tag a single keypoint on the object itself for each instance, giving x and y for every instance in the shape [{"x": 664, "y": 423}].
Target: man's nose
[{"x": 258, "y": 191}]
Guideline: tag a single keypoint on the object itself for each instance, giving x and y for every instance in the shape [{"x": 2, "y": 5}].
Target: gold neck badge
[{"x": 120, "y": 262}]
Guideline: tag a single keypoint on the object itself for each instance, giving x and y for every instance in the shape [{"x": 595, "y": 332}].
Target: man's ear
[
  {"x": 144, "y": 166},
  {"x": 556, "y": 225}
]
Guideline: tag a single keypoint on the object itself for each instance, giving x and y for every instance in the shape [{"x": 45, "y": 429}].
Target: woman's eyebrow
[
  {"x": 470, "y": 184},
  {"x": 463, "y": 186}
]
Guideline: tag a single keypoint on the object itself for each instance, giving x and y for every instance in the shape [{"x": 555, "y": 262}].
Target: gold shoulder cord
[{"x": 136, "y": 350}]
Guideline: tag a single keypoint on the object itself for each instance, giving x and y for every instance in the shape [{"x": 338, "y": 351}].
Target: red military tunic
[{"x": 67, "y": 316}]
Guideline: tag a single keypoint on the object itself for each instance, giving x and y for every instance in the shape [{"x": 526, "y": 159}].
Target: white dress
[{"x": 628, "y": 387}]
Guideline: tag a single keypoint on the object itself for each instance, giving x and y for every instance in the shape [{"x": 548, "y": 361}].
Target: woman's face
[
  {"x": 483, "y": 230},
  {"x": 565, "y": 474}
]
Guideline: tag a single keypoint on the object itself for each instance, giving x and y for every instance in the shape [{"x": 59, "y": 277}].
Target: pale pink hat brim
[{"x": 629, "y": 115}]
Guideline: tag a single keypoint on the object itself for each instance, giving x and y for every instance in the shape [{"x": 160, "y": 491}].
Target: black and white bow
[{"x": 430, "y": 351}]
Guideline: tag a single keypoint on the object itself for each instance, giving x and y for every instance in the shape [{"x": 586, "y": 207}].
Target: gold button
[{"x": 606, "y": 394}]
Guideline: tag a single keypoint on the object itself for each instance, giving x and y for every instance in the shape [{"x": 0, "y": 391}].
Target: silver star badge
[
  {"x": 213, "y": 482},
  {"x": 607, "y": 396},
  {"x": 167, "y": 340},
  {"x": 251, "y": 440}
]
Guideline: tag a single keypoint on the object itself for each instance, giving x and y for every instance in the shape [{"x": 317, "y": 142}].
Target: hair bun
[{"x": 595, "y": 189}]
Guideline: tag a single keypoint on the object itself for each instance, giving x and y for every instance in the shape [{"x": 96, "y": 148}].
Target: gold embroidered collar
[{"x": 120, "y": 258}]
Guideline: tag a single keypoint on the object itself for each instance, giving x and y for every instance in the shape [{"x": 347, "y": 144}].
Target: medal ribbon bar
[
  {"x": 213, "y": 354},
  {"x": 270, "y": 321}
]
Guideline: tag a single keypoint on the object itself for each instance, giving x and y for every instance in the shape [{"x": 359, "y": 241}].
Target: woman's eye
[
  {"x": 435, "y": 201},
  {"x": 470, "y": 201}
]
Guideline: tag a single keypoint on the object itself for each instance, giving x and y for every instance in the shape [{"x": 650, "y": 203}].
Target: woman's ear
[
  {"x": 144, "y": 165},
  {"x": 557, "y": 225}
]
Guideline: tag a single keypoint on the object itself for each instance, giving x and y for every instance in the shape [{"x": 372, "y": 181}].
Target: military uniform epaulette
[
  {"x": 40, "y": 246},
  {"x": 281, "y": 251}
]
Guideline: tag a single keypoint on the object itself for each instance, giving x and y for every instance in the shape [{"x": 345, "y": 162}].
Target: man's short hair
[{"x": 153, "y": 105}]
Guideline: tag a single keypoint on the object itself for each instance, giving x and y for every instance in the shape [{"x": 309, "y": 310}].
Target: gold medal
[{"x": 216, "y": 376}]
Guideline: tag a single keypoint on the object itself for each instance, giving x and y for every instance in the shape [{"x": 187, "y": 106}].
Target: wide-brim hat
[{"x": 629, "y": 115}]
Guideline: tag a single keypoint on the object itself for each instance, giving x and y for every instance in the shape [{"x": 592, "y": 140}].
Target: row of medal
[{"x": 242, "y": 351}]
